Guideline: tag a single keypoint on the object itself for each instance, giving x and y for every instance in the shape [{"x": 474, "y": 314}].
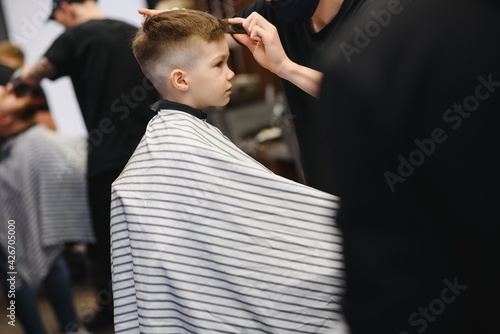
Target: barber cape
[
  {"x": 43, "y": 199},
  {"x": 204, "y": 239}
]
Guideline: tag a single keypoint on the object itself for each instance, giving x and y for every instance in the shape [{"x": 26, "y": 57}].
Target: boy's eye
[{"x": 219, "y": 64}]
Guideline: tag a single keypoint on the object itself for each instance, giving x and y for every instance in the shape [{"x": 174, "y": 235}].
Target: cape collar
[{"x": 165, "y": 104}]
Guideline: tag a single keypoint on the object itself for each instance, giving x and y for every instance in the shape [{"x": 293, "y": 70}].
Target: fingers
[
  {"x": 267, "y": 36},
  {"x": 256, "y": 22},
  {"x": 149, "y": 12},
  {"x": 255, "y": 19},
  {"x": 256, "y": 26},
  {"x": 236, "y": 20},
  {"x": 246, "y": 41}
]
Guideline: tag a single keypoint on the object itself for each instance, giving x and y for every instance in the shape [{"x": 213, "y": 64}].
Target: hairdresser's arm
[
  {"x": 265, "y": 45},
  {"x": 31, "y": 75}
]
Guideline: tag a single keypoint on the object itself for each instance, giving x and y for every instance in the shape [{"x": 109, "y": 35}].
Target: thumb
[{"x": 246, "y": 41}]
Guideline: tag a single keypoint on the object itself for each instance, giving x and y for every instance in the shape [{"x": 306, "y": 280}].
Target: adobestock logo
[
  {"x": 425, "y": 315},
  {"x": 363, "y": 36},
  {"x": 121, "y": 107}
]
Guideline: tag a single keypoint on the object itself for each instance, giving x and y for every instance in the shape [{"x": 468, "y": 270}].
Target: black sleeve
[
  {"x": 263, "y": 8},
  {"x": 62, "y": 55},
  {"x": 257, "y": 6}
]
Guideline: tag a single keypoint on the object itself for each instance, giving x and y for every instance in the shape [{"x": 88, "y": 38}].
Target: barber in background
[
  {"x": 114, "y": 97},
  {"x": 411, "y": 117}
]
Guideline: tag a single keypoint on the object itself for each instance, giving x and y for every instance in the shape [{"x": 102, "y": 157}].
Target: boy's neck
[
  {"x": 184, "y": 100},
  {"x": 171, "y": 105}
]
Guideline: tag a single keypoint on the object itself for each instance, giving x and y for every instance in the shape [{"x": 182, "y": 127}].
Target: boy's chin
[{"x": 222, "y": 103}]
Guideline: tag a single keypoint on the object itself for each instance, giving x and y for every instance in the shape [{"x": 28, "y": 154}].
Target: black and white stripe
[
  {"x": 204, "y": 239},
  {"x": 43, "y": 189}
]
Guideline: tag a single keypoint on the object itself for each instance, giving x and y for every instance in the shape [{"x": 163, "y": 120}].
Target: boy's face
[{"x": 210, "y": 79}]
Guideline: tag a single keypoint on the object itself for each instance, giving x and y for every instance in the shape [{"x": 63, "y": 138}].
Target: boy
[{"x": 203, "y": 237}]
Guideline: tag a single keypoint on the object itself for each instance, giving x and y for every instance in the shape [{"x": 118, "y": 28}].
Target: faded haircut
[{"x": 174, "y": 39}]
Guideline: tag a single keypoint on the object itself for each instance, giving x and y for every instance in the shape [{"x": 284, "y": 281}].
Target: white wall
[{"x": 28, "y": 28}]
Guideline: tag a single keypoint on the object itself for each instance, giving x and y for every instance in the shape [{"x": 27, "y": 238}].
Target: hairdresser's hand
[
  {"x": 151, "y": 12},
  {"x": 264, "y": 42},
  {"x": 19, "y": 84}
]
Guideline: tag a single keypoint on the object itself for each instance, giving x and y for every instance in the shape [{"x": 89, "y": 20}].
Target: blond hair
[{"x": 11, "y": 55}]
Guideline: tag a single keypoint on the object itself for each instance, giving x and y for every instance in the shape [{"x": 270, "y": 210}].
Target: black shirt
[
  {"x": 304, "y": 46},
  {"x": 113, "y": 94}
]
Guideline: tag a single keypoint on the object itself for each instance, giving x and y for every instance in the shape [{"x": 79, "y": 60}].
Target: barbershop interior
[
  {"x": 345, "y": 181},
  {"x": 256, "y": 119}
]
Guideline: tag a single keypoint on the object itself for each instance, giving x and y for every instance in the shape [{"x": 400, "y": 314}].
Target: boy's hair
[{"x": 174, "y": 39}]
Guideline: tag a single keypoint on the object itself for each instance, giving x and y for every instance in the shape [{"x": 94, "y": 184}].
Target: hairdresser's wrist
[
  {"x": 307, "y": 79},
  {"x": 287, "y": 69}
]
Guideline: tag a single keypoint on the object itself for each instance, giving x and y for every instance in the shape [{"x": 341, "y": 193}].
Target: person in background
[
  {"x": 43, "y": 204},
  {"x": 11, "y": 59},
  {"x": 302, "y": 29},
  {"x": 205, "y": 238},
  {"x": 114, "y": 98},
  {"x": 11, "y": 55},
  {"x": 411, "y": 115}
]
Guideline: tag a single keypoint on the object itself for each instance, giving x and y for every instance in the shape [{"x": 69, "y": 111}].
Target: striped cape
[
  {"x": 204, "y": 239},
  {"x": 43, "y": 190}
]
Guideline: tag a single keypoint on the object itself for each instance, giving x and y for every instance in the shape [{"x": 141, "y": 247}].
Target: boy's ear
[{"x": 179, "y": 80}]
